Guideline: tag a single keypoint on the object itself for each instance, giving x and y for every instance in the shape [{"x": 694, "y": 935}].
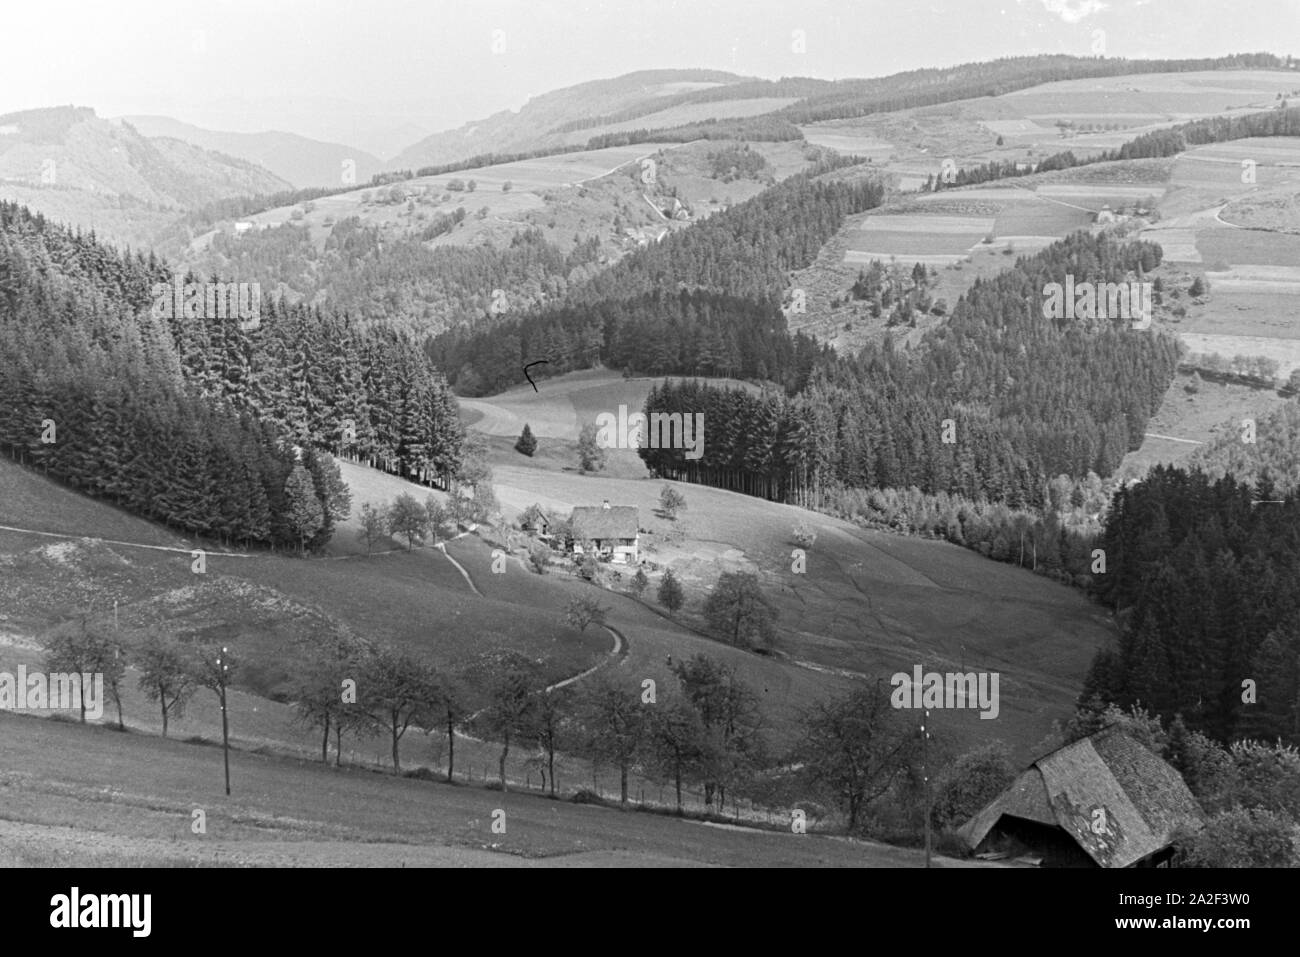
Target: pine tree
[
  {"x": 670, "y": 593},
  {"x": 527, "y": 443},
  {"x": 305, "y": 515}
]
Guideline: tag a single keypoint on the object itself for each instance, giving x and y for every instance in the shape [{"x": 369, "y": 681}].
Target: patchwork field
[{"x": 1103, "y": 113}]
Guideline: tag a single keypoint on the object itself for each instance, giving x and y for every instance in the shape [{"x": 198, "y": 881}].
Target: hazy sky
[{"x": 328, "y": 67}]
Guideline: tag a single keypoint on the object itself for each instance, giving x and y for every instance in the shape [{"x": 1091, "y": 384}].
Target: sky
[{"x": 379, "y": 74}]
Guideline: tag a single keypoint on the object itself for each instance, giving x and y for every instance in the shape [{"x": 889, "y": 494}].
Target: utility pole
[
  {"x": 925, "y": 776},
  {"x": 224, "y": 670}
]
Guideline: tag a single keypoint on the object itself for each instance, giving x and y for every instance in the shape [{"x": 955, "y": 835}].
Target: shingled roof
[
  {"x": 1144, "y": 798},
  {"x": 601, "y": 522}
]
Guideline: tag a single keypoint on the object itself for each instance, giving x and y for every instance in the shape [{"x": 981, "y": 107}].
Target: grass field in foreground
[{"x": 89, "y": 795}]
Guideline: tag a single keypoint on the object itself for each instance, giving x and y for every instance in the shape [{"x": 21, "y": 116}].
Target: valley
[{"x": 367, "y": 588}]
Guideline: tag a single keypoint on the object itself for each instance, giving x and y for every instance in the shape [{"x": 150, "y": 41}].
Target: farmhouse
[
  {"x": 611, "y": 529},
  {"x": 1102, "y": 801}
]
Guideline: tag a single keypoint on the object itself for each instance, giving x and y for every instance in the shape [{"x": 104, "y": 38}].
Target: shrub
[
  {"x": 970, "y": 784},
  {"x": 1241, "y": 837},
  {"x": 539, "y": 556},
  {"x": 804, "y": 534}
]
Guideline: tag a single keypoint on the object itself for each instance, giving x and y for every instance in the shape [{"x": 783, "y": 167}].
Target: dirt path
[
  {"x": 618, "y": 651},
  {"x": 442, "y": 547},
  {"x": 113, "y": 541}
]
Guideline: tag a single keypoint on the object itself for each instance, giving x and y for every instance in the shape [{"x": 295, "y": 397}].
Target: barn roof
[
  {"x": 1143, "y": 797},
  {"x": 616, "y": 521}
]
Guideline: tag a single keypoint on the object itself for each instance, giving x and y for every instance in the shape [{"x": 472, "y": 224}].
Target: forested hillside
[
  {"x": 1273, "y": 458},
  {"x": 192, "y": 421},
  {"x": 702, "y": 301},
  {"x": 1025, "y": 398},
  {"x": 399, "y": 281},
  {"x": 1203, "y": 573}
]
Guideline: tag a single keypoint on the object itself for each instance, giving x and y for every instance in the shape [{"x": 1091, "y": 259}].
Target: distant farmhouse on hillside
[
  {"x": 611, "y": 529},
  {"x": 1102, "y": 801}
]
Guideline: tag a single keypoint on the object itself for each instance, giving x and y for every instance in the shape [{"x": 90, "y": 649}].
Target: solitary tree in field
[
  {"x": 165, "y": 676},
  {"x": 591, "y": 457},
  {"x": 671, "y": 501},
  {"x": 527, "y": 443},
  {"x": 407, "y": 517},
  {"x": 671, "y": 595},
  {"x": 373, "y": 525},
  {"x": 305, "y": 514},
  {"x": 855, "y": 746},
  {"x": 738, "y": 610},
  {"x": 583, "y": 612}
]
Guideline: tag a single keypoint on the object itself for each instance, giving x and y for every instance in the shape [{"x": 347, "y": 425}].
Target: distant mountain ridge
[
  {"x": 72, "y": 147},
  {"x": 534, "y": 124},
  {"x": 104, "y": 175},
  {"x": 299, "y": 160}
]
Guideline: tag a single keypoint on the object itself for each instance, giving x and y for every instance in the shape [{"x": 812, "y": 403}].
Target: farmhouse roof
[
  {"x": 599, "y": 521},
  {"x": 1143, "y": 797}
]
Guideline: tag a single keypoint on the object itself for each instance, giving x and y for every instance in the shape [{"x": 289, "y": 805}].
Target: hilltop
[
  {"x": 100, "y": 174},
  {"x": 297, "y": 160}
]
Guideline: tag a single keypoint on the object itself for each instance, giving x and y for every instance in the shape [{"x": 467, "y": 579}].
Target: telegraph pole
[
  {"x": 925, "y": 776},
  {"x": 223, "y": 671}
]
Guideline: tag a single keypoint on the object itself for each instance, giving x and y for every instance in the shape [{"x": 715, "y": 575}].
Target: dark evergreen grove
[
  {"x": 193, "y": 421},
  {"x": 989, "y": 406},
  {"x": 1202, "y": 573}
]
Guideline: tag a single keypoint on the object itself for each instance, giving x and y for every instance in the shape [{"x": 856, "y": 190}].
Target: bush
[
  {"x": 970, "y": 784},
  {"x": 804, "y": 534},
  {"x": 1239, "y": 838},
  {"x": 639, "y": 582},
  {"x": 539, "y": 556}
]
